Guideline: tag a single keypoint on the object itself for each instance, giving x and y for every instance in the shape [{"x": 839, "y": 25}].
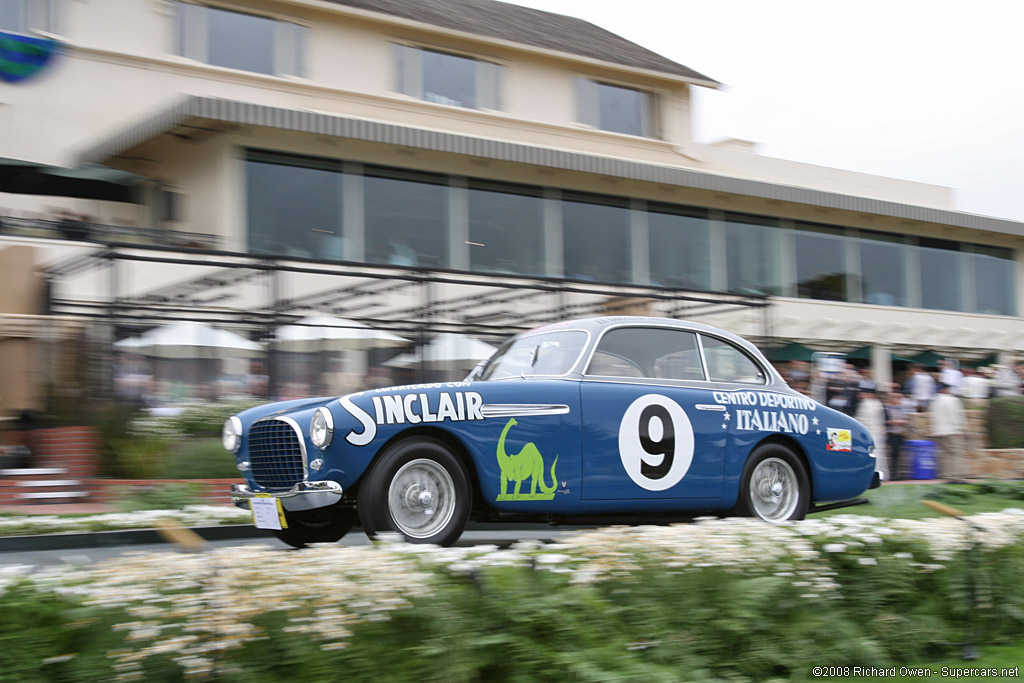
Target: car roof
[{"x": 600, "y": 323}]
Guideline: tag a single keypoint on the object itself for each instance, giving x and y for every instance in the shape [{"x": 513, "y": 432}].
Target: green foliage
[
  {"x": 138, "y": 458},
  {"x": 208, "y": 419},
  {"x": 46, "y": 637},
  {"x": 1005, "y": 417},
  {"x": 200, "y": 458},
  {"x": 892, "y": 603},
  {"x": 166, "y": 497}
]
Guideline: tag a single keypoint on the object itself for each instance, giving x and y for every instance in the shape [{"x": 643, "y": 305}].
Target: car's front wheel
[
  {"x": 418, "y": 488},
  {"x": 775, "y": 486},
  {"x": 316, "y": 526}
]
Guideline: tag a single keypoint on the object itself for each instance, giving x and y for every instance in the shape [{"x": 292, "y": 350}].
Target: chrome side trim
[
  {"x": 522, "y": 409},
  {"x": 705, "y": 406}
]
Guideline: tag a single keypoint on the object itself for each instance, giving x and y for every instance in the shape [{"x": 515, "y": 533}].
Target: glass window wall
[
  {"x": 752, "y": 253},
  {"x": 820, "y": 262},
  {"x": 883, "y": 269},
  {"x": 406, "y": 218},
  {"x": 680, "y": 247},
  {"x": 595, "y": 238},
  {"x": 295, "y": 208},
  {"x": 940, "y": 267},
  {"x": 506, "y": 228},
  {"x": 993, "y": 280}
]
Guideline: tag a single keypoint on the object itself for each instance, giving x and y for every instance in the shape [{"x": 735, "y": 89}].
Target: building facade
[{"x": 468, "y": 139}]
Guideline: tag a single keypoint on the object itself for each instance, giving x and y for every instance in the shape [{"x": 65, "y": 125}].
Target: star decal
[
  {"x": 815, "y": 422},
  {"x": 728, "y": 416},
  {"x": 817, "y": 431}
]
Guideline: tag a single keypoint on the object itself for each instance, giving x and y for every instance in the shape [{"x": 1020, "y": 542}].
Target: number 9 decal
[{"x": 655, "y": 442}]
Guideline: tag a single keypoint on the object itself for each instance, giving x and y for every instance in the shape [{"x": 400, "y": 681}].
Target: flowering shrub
[
  {"x": 712, "y": 600},
  {"x": 188, "y": 516}
]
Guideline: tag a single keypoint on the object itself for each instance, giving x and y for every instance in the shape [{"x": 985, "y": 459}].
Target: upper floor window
[
  {"x": 27, "y": 16},
  {"x": 240, "y": 41},
  {"x": 447, "y": 78},
  {"x": 615, "y": 108}
]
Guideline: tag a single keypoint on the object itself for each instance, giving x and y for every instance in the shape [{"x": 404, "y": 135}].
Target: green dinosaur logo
[{"x": 526, "y": 464}]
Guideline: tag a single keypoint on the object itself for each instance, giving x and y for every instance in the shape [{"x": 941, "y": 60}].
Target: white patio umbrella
[
  {"x": 325, "y": 333},
  {"x": 446, "y": 352},
  {"x": 190, "y": 340}
]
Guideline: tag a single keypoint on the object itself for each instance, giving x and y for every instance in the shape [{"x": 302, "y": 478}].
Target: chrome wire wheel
[
  {"x": 421, "y": 498},
  {"x": 774, "y": 490}
]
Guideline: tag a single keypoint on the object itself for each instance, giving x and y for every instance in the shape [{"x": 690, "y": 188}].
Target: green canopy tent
[
  {"x": 864, "y": 353},
  {"x": 990, "y": 359},
  {"x": 791, "y": 351},
  {"x": 928, "y": 359}
]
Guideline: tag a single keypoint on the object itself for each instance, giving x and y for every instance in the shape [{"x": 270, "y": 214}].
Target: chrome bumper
[{"x": 306, "y": 495}]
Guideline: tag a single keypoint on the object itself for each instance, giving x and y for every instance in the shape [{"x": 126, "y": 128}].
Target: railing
[{"x": 82, "y": 231}]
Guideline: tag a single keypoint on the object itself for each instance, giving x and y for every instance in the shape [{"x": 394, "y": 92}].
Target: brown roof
[{"x": 529, "y": 27}]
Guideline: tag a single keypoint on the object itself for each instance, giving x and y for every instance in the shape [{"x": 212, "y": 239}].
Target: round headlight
[
  {"x": 231, "y": 437},
  {"x": 321, "y": 428}
]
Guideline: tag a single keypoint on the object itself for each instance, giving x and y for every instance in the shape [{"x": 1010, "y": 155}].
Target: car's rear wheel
[
  {"x": 316, "y": 526},
  {"x": 775, "y": 486},
  {"x": 419, "y": 489}
]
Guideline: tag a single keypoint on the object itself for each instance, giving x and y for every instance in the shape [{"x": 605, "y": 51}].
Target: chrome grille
[{"x": 276, "y": 455}]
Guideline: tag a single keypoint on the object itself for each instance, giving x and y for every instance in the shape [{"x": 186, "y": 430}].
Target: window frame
[
  {"x": 39, "y": 18},
  {"x": 588, "y": 106},
  {"x": 409, "y": 65},
  {"x": 289, "y": 39}
]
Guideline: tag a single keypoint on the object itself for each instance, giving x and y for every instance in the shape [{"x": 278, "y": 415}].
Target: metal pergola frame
[{"x": 418, "y": 303}]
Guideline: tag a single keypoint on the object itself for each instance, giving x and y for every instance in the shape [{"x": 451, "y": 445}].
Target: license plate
[{"x": 267, "y": 513}]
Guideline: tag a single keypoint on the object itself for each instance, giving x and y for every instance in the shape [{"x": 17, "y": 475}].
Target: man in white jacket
[
  {"x": 948, "y": 423},
  {"x": 871, "y": 414}
]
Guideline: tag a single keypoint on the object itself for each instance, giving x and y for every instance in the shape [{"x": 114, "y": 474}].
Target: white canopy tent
[
  {"x": 325, "y": 333},
  {"x": 190, "y": 339},
  {"x": 446, "y": 352}
]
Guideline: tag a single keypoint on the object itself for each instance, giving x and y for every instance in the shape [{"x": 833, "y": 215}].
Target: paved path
[{"x": 85, "y": 556}]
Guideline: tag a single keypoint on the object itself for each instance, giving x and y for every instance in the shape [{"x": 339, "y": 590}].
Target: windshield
[{"x": 549, "y": 353}]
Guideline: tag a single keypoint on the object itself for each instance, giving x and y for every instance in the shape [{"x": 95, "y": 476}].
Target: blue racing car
[{"x": 616, "y": 419}]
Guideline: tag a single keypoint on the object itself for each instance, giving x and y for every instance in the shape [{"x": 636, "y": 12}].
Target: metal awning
[
  {"x": 90, "y": 181},
  {"x": 197, "y": 108}
]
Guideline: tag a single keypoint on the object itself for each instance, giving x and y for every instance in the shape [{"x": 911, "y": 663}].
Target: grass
[{"x": 903, "y": 501}]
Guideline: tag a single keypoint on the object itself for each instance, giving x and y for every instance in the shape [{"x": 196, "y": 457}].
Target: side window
[
  {"x": 647, "y": 352},
  {"x": 727, "y": 363}
]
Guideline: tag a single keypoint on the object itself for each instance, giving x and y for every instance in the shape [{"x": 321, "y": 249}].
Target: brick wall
[{"x": 75, "y": 449}]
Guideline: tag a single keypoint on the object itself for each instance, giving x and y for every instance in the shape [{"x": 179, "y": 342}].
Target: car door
[{"x": 651, "y": 427}]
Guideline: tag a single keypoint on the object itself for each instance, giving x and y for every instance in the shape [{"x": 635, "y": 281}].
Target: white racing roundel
[{"x": 655, "y": 442}]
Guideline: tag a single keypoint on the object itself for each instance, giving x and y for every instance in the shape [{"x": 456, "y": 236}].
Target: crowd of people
[{"x": 885, "y": 411}]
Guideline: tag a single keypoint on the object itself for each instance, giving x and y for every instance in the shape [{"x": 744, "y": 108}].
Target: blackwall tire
[
  {"x": 775, "y": 486},
  {"x": 417, "y": 488},
  {"x": 316, "y": 526}
]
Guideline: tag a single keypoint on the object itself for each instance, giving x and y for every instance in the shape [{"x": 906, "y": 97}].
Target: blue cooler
[{"x": 924, "y": 459}]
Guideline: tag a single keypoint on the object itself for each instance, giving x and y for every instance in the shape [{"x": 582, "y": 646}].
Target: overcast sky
[{"x": 924, "y": 90}]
